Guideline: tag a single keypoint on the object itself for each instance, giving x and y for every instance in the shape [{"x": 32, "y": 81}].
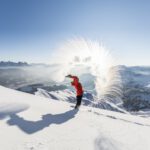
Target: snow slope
[{"x": 29, "y": 122}]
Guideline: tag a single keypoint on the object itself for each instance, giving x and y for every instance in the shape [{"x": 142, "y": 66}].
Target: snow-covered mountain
[
  {"x": 135, "y": 81},
  {"x": 30, "y": 122},
  {"x": 136, "y": 91},
  {"x": 13, "y": 64}
]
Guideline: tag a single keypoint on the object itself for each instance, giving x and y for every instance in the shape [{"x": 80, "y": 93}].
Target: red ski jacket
[{"x": 77, "y": 85}]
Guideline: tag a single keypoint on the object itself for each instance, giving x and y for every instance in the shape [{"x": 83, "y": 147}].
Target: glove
[{"x": 69, "y": 76}]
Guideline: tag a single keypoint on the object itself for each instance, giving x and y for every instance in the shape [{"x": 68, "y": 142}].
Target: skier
[{"x": 79, "y": 89}]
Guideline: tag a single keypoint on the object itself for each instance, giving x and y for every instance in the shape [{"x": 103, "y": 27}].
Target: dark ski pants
[{"x": 79, "y": 99}]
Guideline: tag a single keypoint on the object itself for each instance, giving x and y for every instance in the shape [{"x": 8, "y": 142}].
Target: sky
[{"x": 31, "y": 30}]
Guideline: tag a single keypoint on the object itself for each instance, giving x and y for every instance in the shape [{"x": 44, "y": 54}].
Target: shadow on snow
[{"x": 31, "y": 127}]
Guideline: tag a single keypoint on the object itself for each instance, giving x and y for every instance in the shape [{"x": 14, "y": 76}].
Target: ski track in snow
[{"x": 105, "y": 143}]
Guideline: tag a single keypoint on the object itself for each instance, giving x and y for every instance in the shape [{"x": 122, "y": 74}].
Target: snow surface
[{"x": 30, "y": 122}]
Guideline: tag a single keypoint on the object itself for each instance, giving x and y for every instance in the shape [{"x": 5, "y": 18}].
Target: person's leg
[{"x": 79, "y": 98}]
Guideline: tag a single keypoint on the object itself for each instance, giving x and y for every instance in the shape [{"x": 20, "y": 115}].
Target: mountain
[
  {"x": 136, "y": 91},
  {"x": 135, "y": 97},
  {"x": 135, "y": 83},
  {"x": 30, "y": 122},
  {"x": 13, "y": 64}
]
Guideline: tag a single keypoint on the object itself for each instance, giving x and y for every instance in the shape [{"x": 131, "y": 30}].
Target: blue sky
[{"x": 30, "y": 30}]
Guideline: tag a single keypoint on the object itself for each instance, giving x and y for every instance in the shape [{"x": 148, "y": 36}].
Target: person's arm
[
  {"x": 69, "y": 76},
  {"x": 75, "y": 79}
]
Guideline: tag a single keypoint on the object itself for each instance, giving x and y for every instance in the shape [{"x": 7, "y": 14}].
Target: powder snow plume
[{"x": 97, "y": 58}]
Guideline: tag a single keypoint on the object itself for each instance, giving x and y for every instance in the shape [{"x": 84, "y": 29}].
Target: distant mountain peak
[{"x": 10, "y": 63}]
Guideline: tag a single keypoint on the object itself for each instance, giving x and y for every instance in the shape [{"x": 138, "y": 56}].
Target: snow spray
[{"x": 97, "y": 58}]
